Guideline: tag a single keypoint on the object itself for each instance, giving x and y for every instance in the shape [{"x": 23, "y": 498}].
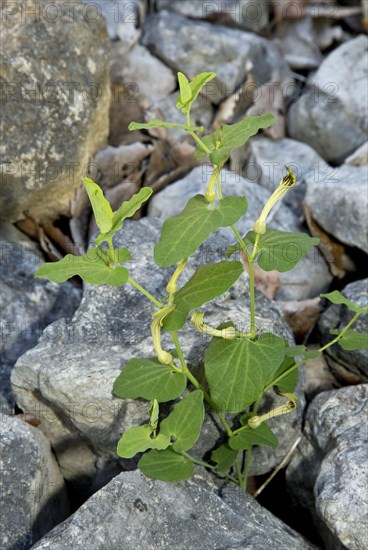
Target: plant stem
[
  {"x": 252, "y": 299},
  {"x": 238, "y": 473},
  {"x": 197, "y": 385},
  {"x": 205, "y": 465},
  {"x": 240, "y": 241},
  {"x": 145, "y": 292},
  {"x": 200, "y": 142},
  {"x": 248, "y": 457}
]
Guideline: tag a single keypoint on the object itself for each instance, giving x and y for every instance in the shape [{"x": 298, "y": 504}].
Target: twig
[{"x": 283, "y": 463}]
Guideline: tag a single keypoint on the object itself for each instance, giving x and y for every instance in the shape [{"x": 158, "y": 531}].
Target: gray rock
[
  {"x": 298, "y": 43},
  {"x": 232, "y": 54},
  {"x": 359, "y": 157},
  {"x": 265, "y": 163},
  {"x": 331, "y": 115},
  {"x": 67, "y": 379},
  {"x": 121, "y": 17},
  {"x": 339, "y": 204},
  {"x": 244, "y": 13},
  {"x": 132, "y": 511},
  {"x": 33, "y": 496},
  {"x": 311, "y": 275},
  {"x": 55, "y": 106},
  {"x": 153, "y": 80},
  {"x": 351, "y": 367},
  {"x": 328, "y": 472},
  {"x": 27, "y": 304}
]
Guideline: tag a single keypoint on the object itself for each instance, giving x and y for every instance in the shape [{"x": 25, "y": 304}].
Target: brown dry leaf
[
  {"x": 288, "y": 9},
  {"x": 124, "y": 108},
  {"x": 301, "y": 316},
  {"x": 30, "y": 419},
  {"x": 113, "y": 165},
  {"x": 268, "y": 282},
  {"x": 168, "y": 157},
  {"x": 332, "y": 250},
  {"x": 53, "y": 245}
]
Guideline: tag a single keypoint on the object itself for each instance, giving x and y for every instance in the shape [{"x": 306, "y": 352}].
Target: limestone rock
[
  {"x": 331, "y": 115},
  {"x": 243, "y": 13},
  {"x": 328, "y": 472},
  {"x": 33, "y": 495},
  {"x": 28, "y": 305},
  {"x": 231, "y": 53},
  {"x": 55, "y": 105},
  {"x": 339, "y": 204},
  {"x": 134, "y": 511}
]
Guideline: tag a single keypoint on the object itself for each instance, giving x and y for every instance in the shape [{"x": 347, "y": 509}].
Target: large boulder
[
  {"x": 231, "y": 53},
  {"x": 331, "y": 115},
  {"x": 328, "y": 471},
  {"x": 339, "y": 203},
  {"x": 33, "y": 494},
  {"x": 67, "y": 379},
  {"x": 133, "y": 511},
  {"x": 28, "y": 305},
  {"x": 55, "y": 105},
  {"x": 240, "y": 13}
]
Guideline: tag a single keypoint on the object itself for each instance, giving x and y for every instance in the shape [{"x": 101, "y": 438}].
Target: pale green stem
[
  {"x": 238, "y": 472},
  {"x": 145, "y": 292},
  {"x": 205, "y": 464},
  {"x": 252, "y": 300},
  {"x": 200, "y": 142},
  {"x": 197, "y": 385}
]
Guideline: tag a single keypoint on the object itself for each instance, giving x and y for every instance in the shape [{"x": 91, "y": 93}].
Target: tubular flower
[
  {"x": 288, "y": 407},
  {"x": 162, "y": 355},
  {"x": 285, "y": 184},
  {"x": 197, "y": 320},
  {"x": 171, "y": 287}
]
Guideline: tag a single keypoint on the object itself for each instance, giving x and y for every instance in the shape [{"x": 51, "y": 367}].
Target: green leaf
[
  {"x": 126, "y": 210},
  {"x": 101, "y": 207},
  {"x": 225, "y": 457},
  {"x": 149, "y": 379},
  {"x": 238, "y": 370},
  {"x": 138, "y": 439},
  {"x": 230, "y": 136},
  {"x": 352, "y": 340},
  {"x": 245, "y": 439},
  {"x": 280, "y": 250},
  {"x": 185, "y": 91},
  {"x": 195, "y": 87},
  {"x": 184, "y": 423},
  {"x": 337, "y": 298},
  {"x": 90, "y": 267},
  {"x": 156, "y": 123},
  {"x": 208, "y": 282},
  {"x": 184, "y": 233},
  {"x": 293, "y": 351},
  {"x": 166, "y": 465},
  {"x": 287, "y": 384}
]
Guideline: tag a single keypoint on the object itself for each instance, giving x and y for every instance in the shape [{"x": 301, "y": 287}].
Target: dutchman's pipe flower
[{"x": 285, "y": 184}]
